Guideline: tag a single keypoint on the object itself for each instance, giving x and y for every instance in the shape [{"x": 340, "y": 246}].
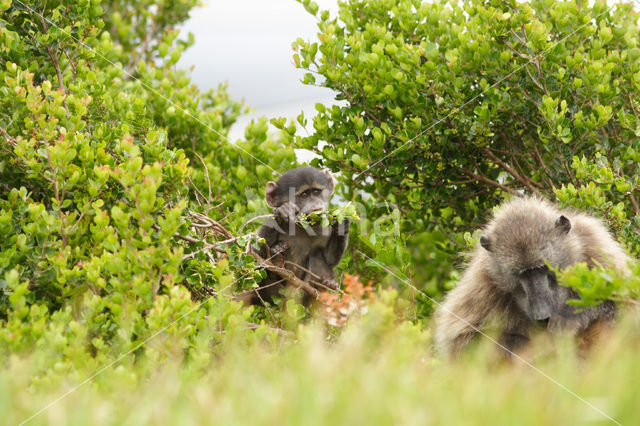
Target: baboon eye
[
  {"x": 305, "y": 194},
  {"x": 317, "y": 191},
  {"x": 536, "y": 269}
]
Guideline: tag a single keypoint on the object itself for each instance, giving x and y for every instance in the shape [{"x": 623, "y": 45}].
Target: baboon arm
[
  {"x": 337, "y": 244},
  {"x": 321, "y": 274},
  {"x": 516, "y": 328},
  {"x": 269, "y": 232},
  {"x": 465, "y": 309}
]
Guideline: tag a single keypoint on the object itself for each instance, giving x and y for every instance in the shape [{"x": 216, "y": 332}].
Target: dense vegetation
[{"x": 126, "y": 213}]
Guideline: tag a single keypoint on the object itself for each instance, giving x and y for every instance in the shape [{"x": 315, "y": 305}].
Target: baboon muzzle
[
  {"x": 541, "y": 310},
  {"x": 541, "y": 298},
  {"x": 313, "y": 206}
]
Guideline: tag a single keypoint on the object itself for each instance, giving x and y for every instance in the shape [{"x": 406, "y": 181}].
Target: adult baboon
[{"x": 508, "y": 277}]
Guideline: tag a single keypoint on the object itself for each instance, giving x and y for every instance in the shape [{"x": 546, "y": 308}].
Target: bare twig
[
  {"x": 631, "y": 104},
  {"x": 264, "y": 216},
  {"x": 197, "y": 191},
  {"x": 483, "y": 178},
  {"x": 238, "y": 296},
  {"x": 206, "y": 248},
  {"x": 53, "y": 55},
  {"x": 542, "y": 164},
  {"x": 318, "y": 279},
  {"x": 289, "y": 276},
  {"x": 176, "y": 235},
  {"x": 266, "y": 306},
  {"x": 535, "y": 81},
  {"x": 56, "y": 189},
  {"x": 522, "y": 179},
  {"x": 70, "y": 60},
  {"x": 515, "y": 51},
  {"x": 634, "y": 202},
  {"x": 524, "y": 43},
  {"x": 206, "y": 174},
  {"x": 207, "y": 222},
  {"x": 8, "y": 137}
]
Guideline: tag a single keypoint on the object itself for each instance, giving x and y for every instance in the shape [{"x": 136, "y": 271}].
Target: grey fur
[
  {"x": 317, "y": 250},
  {"x": 507, "y": 277}
]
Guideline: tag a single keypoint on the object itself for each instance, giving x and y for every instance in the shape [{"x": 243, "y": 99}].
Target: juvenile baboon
[
  {"x": 507, "y": 276},
  {"x": 312, "y": 252}
]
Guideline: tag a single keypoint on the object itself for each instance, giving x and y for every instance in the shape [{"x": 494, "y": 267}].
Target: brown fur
[{"x": 523, "y": 233}]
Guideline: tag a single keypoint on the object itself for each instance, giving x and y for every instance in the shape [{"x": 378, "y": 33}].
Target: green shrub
[
  {"x": 105, "y": 146},
  {"x": 453, "y": 106}
]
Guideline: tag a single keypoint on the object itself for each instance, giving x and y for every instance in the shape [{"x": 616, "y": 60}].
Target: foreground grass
[{"x": 376, "y": 373}]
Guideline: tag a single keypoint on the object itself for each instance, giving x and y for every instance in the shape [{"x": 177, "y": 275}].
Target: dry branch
[
  {"x": 204, "y": 222},
  {"x": 287, "y": 275}
]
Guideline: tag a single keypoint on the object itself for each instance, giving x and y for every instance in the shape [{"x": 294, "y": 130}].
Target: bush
[
  {"x": 452, "y": 106},
  {"x": 105, "y": 147}
]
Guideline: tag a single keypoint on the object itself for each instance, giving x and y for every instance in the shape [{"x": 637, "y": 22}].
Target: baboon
[
  {"x": 508, "y": 277},
  {"x": 312, "y": 252}
]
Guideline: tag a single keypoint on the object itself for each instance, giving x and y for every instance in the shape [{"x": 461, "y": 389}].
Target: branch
[
  {"x": 56, "y": 189},
  {"x": 522, "y": 179},
  {"x": 483, "y": 178},
  {"x": 287, "y": 275},
  {"x": 176, "y": 235},
  {"x": 206, "y": 222},
  {"x": 8, "y": 137},
  {"x": 536, "y": 82},
  {"x": 53, "y": 55},
  {"x": 513, "y": 49},
  {"x": 542, "y": 164},
  {"x": 636, "y": 209},
  {"x": 206, "y": 173},
  {"x": 264, "y": 216},
  {"x": 320, "y": 281},
  {"x": 518, "y": 37}
]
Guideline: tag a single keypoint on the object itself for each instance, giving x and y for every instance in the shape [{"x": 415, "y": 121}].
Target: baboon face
[
  {"x": 520, "y": 252},
  {"x": 537, "y": 293},
  {"x": 307, "y": 187}
]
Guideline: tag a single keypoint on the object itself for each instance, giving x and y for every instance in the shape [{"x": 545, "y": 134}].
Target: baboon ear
[
  {"x": 485, "y": 242},
  {"x": 271, "y": 194},
  {"x": 563, "y": 225},
  {"x": 328, "y": 175}
]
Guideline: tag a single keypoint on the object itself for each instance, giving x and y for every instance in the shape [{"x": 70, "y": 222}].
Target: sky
[{"x": 247, "y": 43}]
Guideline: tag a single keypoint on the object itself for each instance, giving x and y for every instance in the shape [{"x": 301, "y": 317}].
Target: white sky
[{"x": 247, "y": 43}]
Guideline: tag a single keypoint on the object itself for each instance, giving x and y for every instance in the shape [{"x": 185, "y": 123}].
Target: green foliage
[
  {"x": 453, "y": 106},
  {"x": 606, "y": 191},
  {"x": 338, "y": 214},
  {"x": 474, "y": 99},
  {"x": 597, "y": 285},
  {"x": 378, "y": 373},
  {"x": 105, "y": 147}
]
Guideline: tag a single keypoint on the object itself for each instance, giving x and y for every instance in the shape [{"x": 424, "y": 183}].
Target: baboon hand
[
  {"x": 331, "y": 284},
  {"x": 286, "y": 213},
  {"x": 279, "y": 248}
]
